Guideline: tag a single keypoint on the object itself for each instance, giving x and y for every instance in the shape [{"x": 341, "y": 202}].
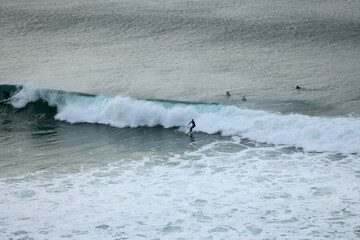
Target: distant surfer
[
  {"x": 297, "y": 87},
  {"x": 227, "y": 94},
  {"x": 244, "y": 99},
  {"x": 192, "y": 126},
  {"x": 6, "y": 94}
]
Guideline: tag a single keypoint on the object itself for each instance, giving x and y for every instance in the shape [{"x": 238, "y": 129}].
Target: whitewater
[{"x": 256, "y": 193}]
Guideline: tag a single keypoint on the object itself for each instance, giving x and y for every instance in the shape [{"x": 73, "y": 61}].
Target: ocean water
[{"x": 93, "y": 139}]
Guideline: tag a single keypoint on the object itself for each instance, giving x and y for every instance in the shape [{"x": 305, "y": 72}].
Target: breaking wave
[{"x": 320, "y": 134}]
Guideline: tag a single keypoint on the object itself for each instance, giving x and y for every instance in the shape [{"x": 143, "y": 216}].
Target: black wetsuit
[{"x": 193, "y": 125}]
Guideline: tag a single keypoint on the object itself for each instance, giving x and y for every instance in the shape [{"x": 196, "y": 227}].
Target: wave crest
[{"x": 310, "y": 133}]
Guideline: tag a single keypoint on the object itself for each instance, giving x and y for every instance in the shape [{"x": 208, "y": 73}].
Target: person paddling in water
[{"x": 192, "y": 126}]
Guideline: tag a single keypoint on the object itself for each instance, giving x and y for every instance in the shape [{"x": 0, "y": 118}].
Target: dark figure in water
[
  {"x": 6, "y": 94},
  {"x": 192, "y": 126},
  {"x": 227, "y": 94},
  {"x": 297, "y": 87},
  {"x": 244, "y": 99}
]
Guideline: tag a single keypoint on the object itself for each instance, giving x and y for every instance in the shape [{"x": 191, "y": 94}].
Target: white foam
[
  {"x": 257, "y": 193},
  {"x": 341, "y": 134},
  {"x": 26, "y": 95}
]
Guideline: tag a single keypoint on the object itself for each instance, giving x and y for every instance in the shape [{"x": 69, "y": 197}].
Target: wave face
[{"x": 341, "y": 134}]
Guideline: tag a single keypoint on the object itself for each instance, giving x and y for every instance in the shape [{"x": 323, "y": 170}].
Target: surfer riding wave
[{"x": 192, "y": 126}]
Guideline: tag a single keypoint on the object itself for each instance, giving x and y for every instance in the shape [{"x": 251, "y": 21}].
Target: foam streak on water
[{"x": 215, "y": 192}]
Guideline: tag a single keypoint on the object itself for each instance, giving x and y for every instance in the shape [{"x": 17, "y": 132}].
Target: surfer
[
  {"x": 192, "y": 126},
  {"x": 6, "y": 94},
  {"x": 244, "y": 99},
  {"x": 297, "y": 87},
  {"x": 227, "y": 94}
]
